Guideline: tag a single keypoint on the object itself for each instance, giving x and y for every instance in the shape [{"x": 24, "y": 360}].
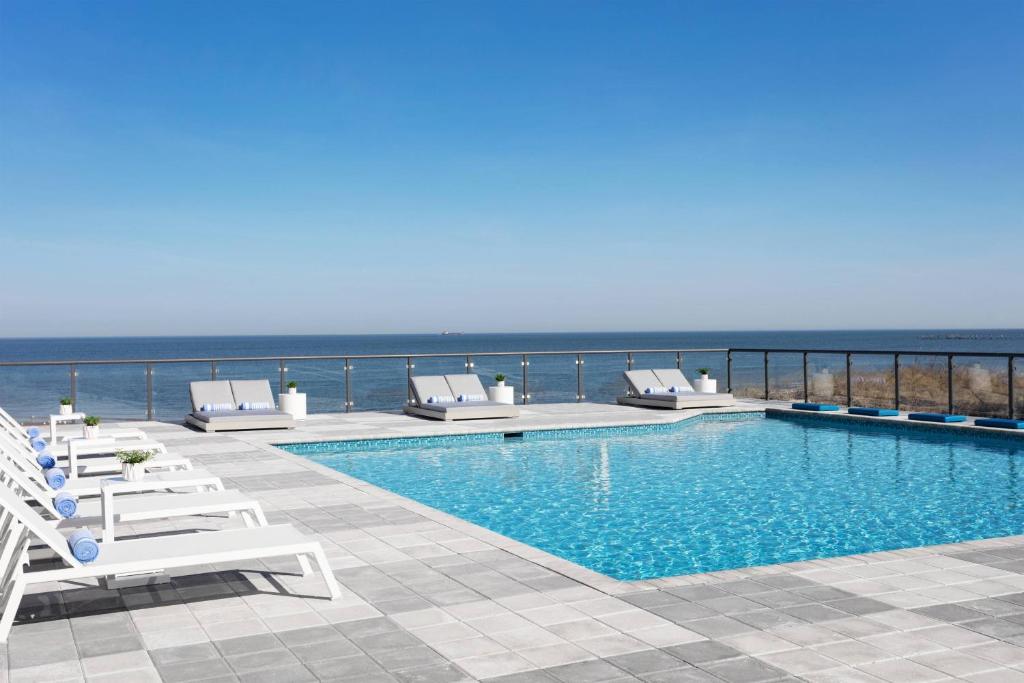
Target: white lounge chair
[
  {"x": 109, "y": 510},
  {"x": 19, "y": 523},
  {"x": 225, "y": 398},
  {"x": 111, "y": 440},
  {"x": 95, "y": 465},
  {"x": 116, "y": 433},
  {"x": 650, "y": 389},
  {"x": 437, "y": 398}
]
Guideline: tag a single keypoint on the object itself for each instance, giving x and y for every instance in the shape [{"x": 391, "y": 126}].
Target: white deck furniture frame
[
  {"x": 19, "y": 522},
  {"x": 94, "y": 465}
]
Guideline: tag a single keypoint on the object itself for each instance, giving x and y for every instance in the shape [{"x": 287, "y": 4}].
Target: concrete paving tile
[
  {"x": 489, "y": 666},
  {"x": 902, "y": 671}
]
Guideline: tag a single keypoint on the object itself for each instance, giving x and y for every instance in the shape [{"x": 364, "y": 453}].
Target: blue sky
[{"x": 337, "y": 167}]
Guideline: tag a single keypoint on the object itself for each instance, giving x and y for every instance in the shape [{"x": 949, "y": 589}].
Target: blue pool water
[{"x": 707, "y": 494}]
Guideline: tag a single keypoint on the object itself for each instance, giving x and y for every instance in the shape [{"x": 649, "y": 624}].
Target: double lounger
[
  {"x": 652, "y": 389},
  {"x": 455, "y": 397},
  {"x": 217, "y": 406}
]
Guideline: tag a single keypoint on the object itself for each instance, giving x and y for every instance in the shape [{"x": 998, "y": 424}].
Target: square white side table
[
  {"x": 58, "y": 419},
  {"x": 293, "y": 404},
  {"x": 505, "y": 394}
]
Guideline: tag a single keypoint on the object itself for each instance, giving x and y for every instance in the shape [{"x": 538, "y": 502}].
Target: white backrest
[
  {"x": 36, "y": 525},
  {"x": 9, "y": 421},
  {"x": 17, "y": 479},
  {"x": 672, "y": 377},
  {"x": 15, "y": 455},
  {"x": 466, "y": 384},
  {"x": 639, "y": 380},
  {"x": 425, "y": 386}
]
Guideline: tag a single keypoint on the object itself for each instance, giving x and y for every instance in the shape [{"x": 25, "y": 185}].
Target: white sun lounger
[
  {"x": 110, "y": 510},
  {"x": 639, "y": 381},
  {"x": 95, "y": 465},
  {"x": 128, "y": 438},
  {"x": 19, "y": 523},
  {"x": 448, "y": 388}
]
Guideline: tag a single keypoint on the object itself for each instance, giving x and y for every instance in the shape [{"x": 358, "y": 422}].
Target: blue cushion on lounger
[
  {"x": 815, "y": 406},
  {"x": 935, "y": 417},
  {"x": 1000, "y": 422},
  {"x": 873, "y": 412}
]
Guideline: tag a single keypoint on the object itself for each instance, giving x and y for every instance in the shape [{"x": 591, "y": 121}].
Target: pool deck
[{"x": 429, "y": 597}]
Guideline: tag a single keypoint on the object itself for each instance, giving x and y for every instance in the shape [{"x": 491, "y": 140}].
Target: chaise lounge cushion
[
  {"x": 212, "y": 392},
  {"x": 252, "y": 391},
  {"x": 673, "y": 377},
  {"x": 466, "y": 384},
  {"x": 218, "y": 416},
  {"x": 427, "y": 386},
  {"x": 640, "y": 380}
]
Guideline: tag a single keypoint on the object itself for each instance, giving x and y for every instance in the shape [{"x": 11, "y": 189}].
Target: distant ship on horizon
[{"x": 446, "y": 333}]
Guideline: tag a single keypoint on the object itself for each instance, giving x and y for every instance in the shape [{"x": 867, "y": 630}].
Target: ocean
[{"x": 119, "y": 391}]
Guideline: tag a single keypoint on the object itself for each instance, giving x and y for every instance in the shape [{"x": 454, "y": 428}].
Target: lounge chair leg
[
  {"x": 247, "y": 519},
  {"x": 325, "y": 569},
  {"x": 304, "y": 565},
  {"x": 257, "y": 510},
  {"x": 10, "y": 607}
]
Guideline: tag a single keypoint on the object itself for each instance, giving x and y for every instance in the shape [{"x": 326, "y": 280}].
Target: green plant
[
  {"x": 133, "y": 457},
  {"x": 293, "y": 384},
  {"x": 65, "y": 401},
  {"x": 703, "y": 371},
  {"x": 91, "y": 421},
  {"x": 499, "y": 377}
]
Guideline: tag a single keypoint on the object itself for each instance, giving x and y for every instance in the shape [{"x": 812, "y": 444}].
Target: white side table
[
  {"x": 293, "y": 404},
  {"x": 705, "y": 386},
  {"x": 58, "y": 419},
  {"x": 505, "y": 394}
]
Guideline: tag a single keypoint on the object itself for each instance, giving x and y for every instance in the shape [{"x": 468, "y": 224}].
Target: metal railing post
[
  {"x": 949, "y": 383},
  {"x": 469, "y": 364},
  {"x": 679, "y": 360},
  {"x": 849, "y": 379},
  {"x": 526, "y": 379},
  {"x": 408, "y": 379},
  {"x": 282, "y": 371},
  {"x": 766, "y": 375},
  {"x": 74, "y": 384},
  {"x": 213, "y": 371},
  {"x": 806, "y": 398},
  {"x": 348, "y": 386},
  {"x": 728, "y": 370},
  {"x": 579, "y": 377},
  {"x": 896, "y": 378},
  {"x": 629, "y": 360},
  {"x": 1012, "y": 412},
  {"x": 149, "y": 391}
]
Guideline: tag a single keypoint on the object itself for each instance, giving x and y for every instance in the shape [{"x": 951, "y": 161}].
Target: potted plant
[
  {"x": 500, "y": 379},
  {"x": 92, "y": 426},
  {"x": 293, "y": 386},
  {"x": 703, "y": 384},
  {"x": 66, "y": 408},
  {"x": 133, "y": 464},
  {"x": 703, "y": 372}
]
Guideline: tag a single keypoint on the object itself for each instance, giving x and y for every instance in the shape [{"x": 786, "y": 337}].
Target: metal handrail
[{"x": 580, "y": 355}]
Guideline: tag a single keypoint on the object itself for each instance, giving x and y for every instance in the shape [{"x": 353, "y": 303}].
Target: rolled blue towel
[
  {"x": 66, "y": 504},
  {"x": 83, "y": 545},
  {"x": 654, "y": 390},
  {"x": 55, "y": 478},
  {"x": 38, "y": 445},
  {"x": 33, "y": 432},
  {"x": 45, "y": 460}
]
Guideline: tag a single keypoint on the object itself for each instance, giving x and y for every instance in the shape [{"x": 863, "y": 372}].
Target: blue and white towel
[
  {"x": 465, "y": 398},
  {"x": 66, "y": 505},
  {"x": 207, "y": 407},
  {"x": 45, "y": 460},
  {"x": 83, "y": 546},
  {"x": 38, "y": 445},
  {"x": 33, "y": 432},
  {"x": 680, "y": 390},
  {"x": 255, "y": 405},
  {"x": 55, "y": 477},
  {"x": 654, "y": 390},
  {"x": 440, "y": 399}
]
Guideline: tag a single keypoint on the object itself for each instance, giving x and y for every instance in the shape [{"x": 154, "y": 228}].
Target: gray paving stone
[
  {"x": 859, "y": 606},
  {"x": 418, "y": 657},
  {"x": 593, "y": 671},
  {"x": 246, "y": 644},
  {"x": 703, "y": 651},
  {"x": 744, "y": 670},
  {"x": 445, "y": 673},
  {"x": 109, "y": 646},
  {"x": 263, "y": 659},
  {"x": 193, "y": 671},
  {"x": 345, "y": 667},
  {"x": 647, "y": 661},
  {"x": 168, "y": 656},
  {"x": 294, "y": 673},
  {"x": 953, "y": 613}
]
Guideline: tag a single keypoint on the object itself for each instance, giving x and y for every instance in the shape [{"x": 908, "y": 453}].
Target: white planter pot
[
  {"x": 91, "y": 432},
  {"x": 292, "y": 390},
  {"x": 134, "y": 472},
  {"x": 66, "y": 410},
  {"x": 501, "y": 383}
]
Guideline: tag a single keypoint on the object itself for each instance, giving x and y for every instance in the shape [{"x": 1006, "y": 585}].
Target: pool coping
[{"x": 612, "y": 586}]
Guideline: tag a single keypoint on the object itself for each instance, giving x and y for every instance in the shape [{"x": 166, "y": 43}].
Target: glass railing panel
[
  {"x": 980, "y": 386},
  {"x": 602, "y": 376},
  {"x": 379, "y": 383},
  {"x": 171, "y": 398},
  {"x": 873, "y": 381},
  {"x": 552, "y": 379},
  {"x": 1018, "y": 388},
  {"x": 713, "y": 361},
  {"x": 826, "y": 378},
  {"x": 112, "y": 392},
  {"x": 322, "y": 381},
  {"x": 785, "y": 376},
  {"x": 748, "y": 374},
  {"x": 923, "y": 383},
  {"x": 510, "y": 366},
  {"x": 31, "y": 393}
]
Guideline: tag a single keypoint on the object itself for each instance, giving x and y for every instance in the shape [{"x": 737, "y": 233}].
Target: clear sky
[{"x": 344, "y": 167}]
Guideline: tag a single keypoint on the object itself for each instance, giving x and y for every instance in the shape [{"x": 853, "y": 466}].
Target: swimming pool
[{"x": 715, "y": 492}]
